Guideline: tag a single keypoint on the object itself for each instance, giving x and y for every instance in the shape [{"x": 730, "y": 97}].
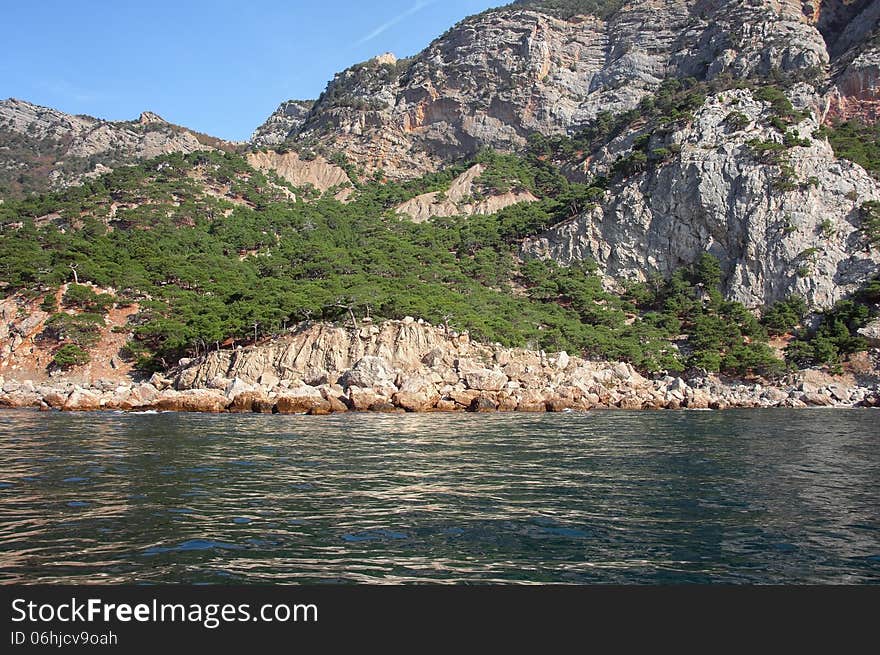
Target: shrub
[
  {"x": 70, "y": 355},
  {"x": 86, "y": 299}
]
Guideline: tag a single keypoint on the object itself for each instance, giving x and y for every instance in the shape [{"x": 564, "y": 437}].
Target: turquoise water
[{"x": 751, "y": 496}]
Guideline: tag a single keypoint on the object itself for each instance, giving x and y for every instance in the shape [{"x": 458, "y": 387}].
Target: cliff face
[
  {"x": 43, "y": 148},
  {"x": 776, "y": 230},
  {"x": 497, "y": 77},
  {"x": 289, "y": 117}
]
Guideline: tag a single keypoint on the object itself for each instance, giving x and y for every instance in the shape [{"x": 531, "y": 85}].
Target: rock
[
  {"x": 414, "y": 402},
  {"x": 55, "y": 399},
  {"x": 382, "y": 406},
  {"x": 268, "y": 380},
  {"x": 302, "y": 400},
  {"x": 482, "y": 404},
  {"x": 839, "y": 393},
  {"x": 485, "y": 380},
  {"x": 362, "y": 399},
  {"x": 98, "y": 143},
  {"x": 562, "y": 361},
  {"x": 369, "y": 372},
  {"x": 531, "y": 401},
  {"x": 197, "y": 400},
  {"x": 656, "y": 222},
  {"x": 816, "y": 399},
  {"x": 464, "y": 397},
  {"x": 81, "y": 400},
  {"x": 558, "y": 404},
  {"x": 251, "y": 401},
  {"x": 871, "y": 332},
  {"x": 631, "y": 402},
  {"x": 236, "y": 387},
  {"x": 446, "y": 405}
]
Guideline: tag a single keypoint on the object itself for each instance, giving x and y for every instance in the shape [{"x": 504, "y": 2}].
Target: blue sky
[{"x": 217, "y": 66}]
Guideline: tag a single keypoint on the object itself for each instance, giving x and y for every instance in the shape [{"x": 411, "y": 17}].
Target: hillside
[
  {"x": 677, "y": 185},
  {"x": 42, "y": 148}
]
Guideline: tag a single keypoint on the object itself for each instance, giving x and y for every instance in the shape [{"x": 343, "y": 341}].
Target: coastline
[{"x": 411, "y": 366}]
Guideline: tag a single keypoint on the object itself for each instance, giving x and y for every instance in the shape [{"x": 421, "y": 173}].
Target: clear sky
[{"x": 216, "y": 66}]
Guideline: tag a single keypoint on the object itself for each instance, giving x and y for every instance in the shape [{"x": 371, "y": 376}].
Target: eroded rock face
[
  {"x": 718, "y": 195},
  {"x": 330, "y": 350},
  {"x": 460, "y": 199},
  {"x": 318, "y": 172}
]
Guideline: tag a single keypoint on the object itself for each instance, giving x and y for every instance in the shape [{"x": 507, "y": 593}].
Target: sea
[{"x": 751, "y": 496}]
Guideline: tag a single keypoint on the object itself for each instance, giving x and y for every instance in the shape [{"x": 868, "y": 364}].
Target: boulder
[
  {"x": 630, "y": 402},
  {"x": 81, "y": 400},
  {"x": 55, "y": 399},
  {"x": 160, "y": 382},
  {"x": 362, "y": 399},
  {"x": 817, "y": 399},
  {"x": 485, "y": 379},
  {"x": 252, "y": 401},
  {"x": 301, "y": 400},
  {"x": 871, "y": 332},
  {"x": 447, "y": 405},
  {"x": 382, "y": 406},
  {"x": 369, "y": 372},
  {"x": 415, "y": 402},
  {"x": 236, "y": 387},
  {"x": 531, "y": 401},
  {"x": 559, "y": 404},
  {"x": 482, "y": 404},
  {"x": 197, "y": 400}
]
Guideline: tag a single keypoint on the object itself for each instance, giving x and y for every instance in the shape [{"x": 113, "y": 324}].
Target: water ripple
[{"x": 752, "y": 496}]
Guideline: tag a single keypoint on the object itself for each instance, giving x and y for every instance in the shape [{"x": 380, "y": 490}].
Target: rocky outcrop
[
  {"x": 464, "y": 197},
  {"x": 317, "y": 172},
  {"x": 422, "y": 368},
  {"x": 56, "y": 149},
  {"x": 783, "y": 227},
  {"x": 287, "y": 119}
]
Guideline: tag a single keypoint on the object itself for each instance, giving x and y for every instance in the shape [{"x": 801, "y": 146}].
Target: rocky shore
[{"x": 410, "y": 366}]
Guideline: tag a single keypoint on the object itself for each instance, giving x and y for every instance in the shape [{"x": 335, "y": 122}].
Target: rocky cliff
[
  {"x": 789, "y": 225},
  {"x": 43, "y": 148},
  {"x": 463, "y": 198},
  {"x": 412, "y": 366},
  {"x": 287, "y": 119},
  {"x": 497, "y": 77}
]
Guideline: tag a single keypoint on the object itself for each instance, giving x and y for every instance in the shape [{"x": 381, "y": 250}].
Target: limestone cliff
[
  {"x": 497, "y": 77},
  {"x": 789, "y": 226},
  {"x": 289, "y": 117}
]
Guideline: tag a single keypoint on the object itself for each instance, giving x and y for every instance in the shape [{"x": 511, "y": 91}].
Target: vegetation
[
  {"x": 836, "y": 334},
  {"x": 870, "y": 223},
  {"x": 70, "y": 355},
  {"x": 205, "y": 270},
  {"x": 856, "y": 141}
]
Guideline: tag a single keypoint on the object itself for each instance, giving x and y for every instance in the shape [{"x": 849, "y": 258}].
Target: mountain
[
  {"x": 42, "y": 148},
  {"x": 673, "y": 183},
  {"x": 552, "y": 67}
]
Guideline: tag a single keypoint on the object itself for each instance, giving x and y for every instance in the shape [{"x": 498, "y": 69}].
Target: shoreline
[
  {"x": 411, "y": 366},
  {"x": 671, "y": 394}
]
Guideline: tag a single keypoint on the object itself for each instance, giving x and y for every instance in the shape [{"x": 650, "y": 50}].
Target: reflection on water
[{"x": 771, "y": 496}]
